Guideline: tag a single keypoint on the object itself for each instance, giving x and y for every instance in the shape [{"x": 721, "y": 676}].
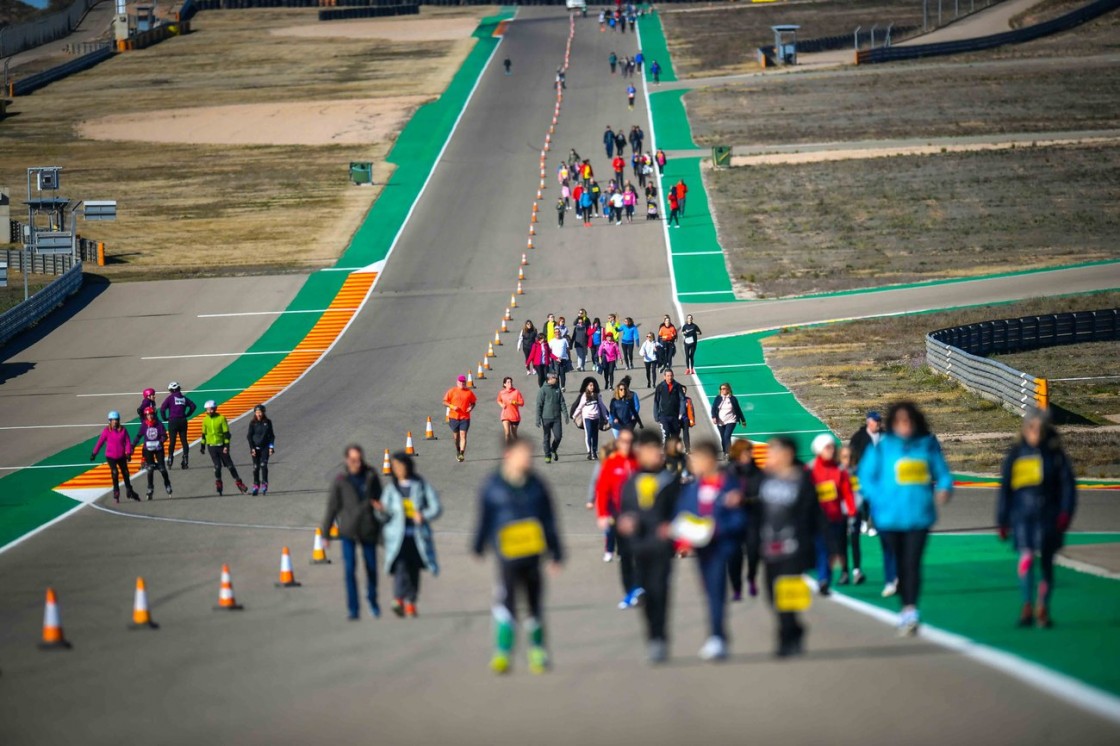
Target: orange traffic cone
[
  {"x": 505, "y": 327},
  {"x": 532, "y": 229},
  {"x": 409, "y": 447},
  {"x": 486, "y": 363},
  {"x": 508, "y": 317},
  {"x": 385, "y": 468},
  {"x": 513, "y": 298},
  {"x": 318, "y": 552},
  {"x": 520, "y": 273},
  {"x": 490, "y": 350},
  {"x": 470, "y": 380},
  {"x": 530, "y": 242},
  {"x": 535, "y": 207},
  {"x": 53, "y": 639},
  {"x": 520, "y": 291},
  {"x": 287, "y": 577},
  {"x": 538, "y": 194},
  {"x": 334, "y": 530},
  {"x": 429, "y": 431},
  {"x": 226, "y": 601},
  {"x": 141, "y": 617},
  {"x": 534, "y": 218},
  {"x": 498, "y": 338},
  {"x": 524, "y": 259},
  {"x": 481, "y": 373}
]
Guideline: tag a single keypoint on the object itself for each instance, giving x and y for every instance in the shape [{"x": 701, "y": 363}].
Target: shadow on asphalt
[
  {"x": 92, "y": 286},
  {"x": 831, "y": 654}
]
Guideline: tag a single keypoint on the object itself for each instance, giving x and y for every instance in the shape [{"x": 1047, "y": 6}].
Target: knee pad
[{"x": 1026, "y": 563}]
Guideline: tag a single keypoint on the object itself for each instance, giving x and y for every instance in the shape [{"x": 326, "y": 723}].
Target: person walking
[
  {"x": 580, "y": 341},
  {"x": 550, "y": 408},
  {"x": 152, "y": 435},
  {"x": 516, "y": 519},
  {"x": 629, "y": 199},
  {"x": 623, "y": 413},
  {"x": 611, "y": 474},
  {"x": 742, "y": 465},
  {"x": 906, "y": 478},
  {"x": 668, "y": 405},
  {"x": 690, "y": 336},
  {"x": 589, "y": 414},
  {"x": 867, "y": 437},
  {"x": 507, "y": 63},
  {"x": 409, "y": 504},
  {"x": 540, "y": 358},
  {"x": 525, "y": 340},
  {"x": 688, "y": 420},
  {"x": 354, "y": 500},
  {"x": 661, "y": 159},
  {"x": 460, "y": 402},
  {"x": 608, "y": 141},
  {"x": 710, "y": 521},
  {"x": 176, "y": 411},
  {"x": 262, "y": 445},
  {"x": 118, "y": 451},
  {"x": 609, "y": 353},
  {"x": 628, "y": 337},
  {"x": 559, "y": 350},
  {"x": 631, "y": 92},
  {"x": 511, "y": 401},
  {"x": 562, "y": 205},
  {"x": 650, "y": 352},
  {"x": 788, "y": 517},
  {"x": 613, "y": 60},
  {"x": 618, "y": 165},
  {"x": 216, "y": 439},
  {"x": 1036, "y": 504},
  {"x": 726, "y": 415},
  {"x": 620, "y": 142},
  {"x": 646, "y": 509},
  {"x": 682, "y": 194},
  {"x": 674, "y": 209},
  {"x": 667, "y": 335},
  {"x": 834, "y": 492},
  {"x": 585, "y": 207}
]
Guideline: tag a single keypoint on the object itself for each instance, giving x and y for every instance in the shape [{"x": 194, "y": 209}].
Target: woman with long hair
[
  {"x": 525, "y": 342},
  {"x": 590, "y": 414},
  {"x": 409, "y": 505},
  {"x": 511, "y": 401}
]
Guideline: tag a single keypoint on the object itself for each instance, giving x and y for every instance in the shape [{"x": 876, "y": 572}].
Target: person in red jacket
[
  {"x": 674, "y": 209},
  {"x": 838, "y": 503},
  {"x": 613, "y": 474},
  {"x": 619, "y": 166},
  {"x": 682, "y": 193}
]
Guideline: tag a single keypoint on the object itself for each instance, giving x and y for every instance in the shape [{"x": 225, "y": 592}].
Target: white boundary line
[
  {"x": 389, "y": 253},
  {"x": 273, "y": 313},
  {"x": 186, "y": 391},
  {"x": 225, "y": 354}
]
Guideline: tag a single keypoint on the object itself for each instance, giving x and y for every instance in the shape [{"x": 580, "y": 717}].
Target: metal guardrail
[
  {"x": 34, "y": 309},
  {"x": 22, "y": 36},
  {"x": 78, "y": 64},
  {"x": 1018, "y": 36},
  {"x": 960, "y": 352},
  {"x": 43, "y": 264}
]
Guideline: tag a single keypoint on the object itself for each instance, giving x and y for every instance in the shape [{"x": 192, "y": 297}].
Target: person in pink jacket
[
  {"x": 609, "y": 352},
  {"x": 511, "y": 401},
  {"x": 540, "y": 358},
  {"x": 118, "y": 450}
]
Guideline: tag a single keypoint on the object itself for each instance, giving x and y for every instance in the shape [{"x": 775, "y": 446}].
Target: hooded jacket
[
  {"x": 550, "y": 404},
  {"x": 215, "y": 430},
  {"x": 353, "y": 510},
  {"x": 151, "y": 434},
  {"x": 177, "y": 406},
  {"x": 834, "y": 489},
  {"x": 614, "y": 472},
  {"x": 118, "y": 443},
  {"x": 1037, "y": 485},
  {"x": 900, "y": 477},
  {"x": 261, "y": 434}
]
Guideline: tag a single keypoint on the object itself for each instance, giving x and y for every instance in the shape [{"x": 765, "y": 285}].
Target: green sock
[
  {"x": 536, "y": 633},
  {"x": 504, "y": 637}
]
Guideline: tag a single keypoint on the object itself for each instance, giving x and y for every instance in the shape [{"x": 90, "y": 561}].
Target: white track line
[
  {"x": 273, "y": 313},
  {"x": 224, "y": 354},
  {"x": 185, "y": 391},
  {"x": 44, "y": 466}
]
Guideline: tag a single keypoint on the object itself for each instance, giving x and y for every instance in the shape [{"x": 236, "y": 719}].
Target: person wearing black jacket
[
  {"x": 262, "y": 444},
  {"x": 726, "y": 414},
  {"x": 744, "y": 467},
  {"x": 669, "y": 405},
  {"x": 690, "y": 336},
  {"x": 354, "y": 499},
  {"x": 649, "y": 503},
  {"x": 787, "y": 525}
]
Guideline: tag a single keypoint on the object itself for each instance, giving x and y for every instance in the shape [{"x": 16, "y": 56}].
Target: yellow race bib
[
  {"x": 1026, "y": 472},
  {"x": 855, "y": 482},
  {"x": 911, "y": 471},
  {"x": 791, "y": 593},
  {"x": 521, "y": 539},
  {"x": 826, "y": 492},
  {"x": 409, "y": 509},
  {"x": 646, "y": 486}
]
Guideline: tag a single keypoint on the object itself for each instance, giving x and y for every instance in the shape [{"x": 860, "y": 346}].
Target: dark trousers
[
  {"x": 853, "y": 542},
  {"x": 560, "y": 218},
  {"x": 608, "y": 374},
  {"x": 553, "y": 432},
  {"x": 651, "y": 571},
  {"x": 789, "y": 628},
  {"x": 542, "y": 374},
  {"x": 626, "y": 567},
  {"x": 591, "y": 436},
  {"x": 406, "y": 571},
  {"x": 350, "y": 566},
  {"x": 521, "y": 576},
  {"x": 118, "y": 467},
  {"x": 735, "y": 561},
  {"x": 908, "y": 547},
  {"x": 220, "y": 458},
  {"x": 670, "y": 426},
  {"x": 725, "y": 432},
  {"x": 651, "y": 373},
  {"x": 712, "y": 563},
  {"x": 177, "y": 432},
  {"x": 260, "y": 466},
  {"x": 628, "y": 354},
  {"x": 674, "y": 217},
  {"x": 831, "y": 543},
  {"x": 153, "y": 460},
  {"x": 685, "y": 435},
  {"x": 689, "y": 356}
]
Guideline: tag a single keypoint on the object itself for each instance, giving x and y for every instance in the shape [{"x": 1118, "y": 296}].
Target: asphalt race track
[{"x": 291, "y": 669}]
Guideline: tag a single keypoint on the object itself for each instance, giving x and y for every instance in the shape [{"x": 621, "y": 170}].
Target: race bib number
[
  {"x": 855, "y": 482},
  {"x": 1026, "y": 472},
  {"x": 646, "y": 486},
  {"x": 694, "y": 530},
  {"x": 826, "y": 492},
  {"x": 911, "y": 471},
  {"x": 791, "y": 593},
  {"x": 409, "y": 509},
  {"x": 690, "y": 340},
  {"x": 521, "y": 539},
  {"x": 152, "y": 445}
]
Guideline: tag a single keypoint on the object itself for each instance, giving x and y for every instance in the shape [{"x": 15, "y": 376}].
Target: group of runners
[{"x": 161, "y": 429}]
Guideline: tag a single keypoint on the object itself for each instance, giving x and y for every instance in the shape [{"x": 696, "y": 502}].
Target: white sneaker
[
  {"x": 608, "y": 557},
  {"x": 908, "y": 622},
  {"x": 715, "y": 649},
  {"x": 890, "y": 589}
]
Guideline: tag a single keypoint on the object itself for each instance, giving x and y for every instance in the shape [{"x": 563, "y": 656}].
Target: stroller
[{"x": 652, "y": 212}]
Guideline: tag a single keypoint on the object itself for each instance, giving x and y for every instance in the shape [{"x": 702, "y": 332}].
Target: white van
[{"x": 577, "y": 5}]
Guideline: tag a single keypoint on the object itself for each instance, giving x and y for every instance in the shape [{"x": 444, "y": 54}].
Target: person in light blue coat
[
  {"x": 905, "y": 477},
  {"x": 409, "y": 505}
]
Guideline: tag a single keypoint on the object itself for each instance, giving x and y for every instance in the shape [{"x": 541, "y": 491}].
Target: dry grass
[
  {"x": 795, "y": 229},
  {"x": 840, "y": 371},
  {"x": 191, "y": 210},
  {"x": 1094, "y": 402}
]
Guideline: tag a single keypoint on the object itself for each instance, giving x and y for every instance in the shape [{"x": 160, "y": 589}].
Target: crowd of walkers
[{"x": 581, "y": 191}]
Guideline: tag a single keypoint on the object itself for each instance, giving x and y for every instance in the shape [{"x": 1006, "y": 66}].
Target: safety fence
[
  {"x": 34, "y": 309},
  {"x": 34, "y": 82},
  {"x": 1018, "y": 36},
  {"x": 960, "y": 352},
  {"x": 88, "y": 251},
  {"x": 22, "y": 36},
  {"x": 40, "y": 264}
]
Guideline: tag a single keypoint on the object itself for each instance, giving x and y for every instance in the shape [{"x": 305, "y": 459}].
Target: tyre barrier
[{"x": 346, "y": 14}]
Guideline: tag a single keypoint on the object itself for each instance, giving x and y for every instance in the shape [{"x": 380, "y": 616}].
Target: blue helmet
[{"x": 114, "y": 415}]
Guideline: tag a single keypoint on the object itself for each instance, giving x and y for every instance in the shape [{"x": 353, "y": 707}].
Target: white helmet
[
  {"x": 209, "y": 404},
  {"x": 822, "y": 441},
  {"x": 173, "y": 386}
]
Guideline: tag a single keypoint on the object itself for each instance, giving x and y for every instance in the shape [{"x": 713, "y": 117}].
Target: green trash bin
[
  {"x": 361, "y": 172},
  {"x": 721, "y": 156}
]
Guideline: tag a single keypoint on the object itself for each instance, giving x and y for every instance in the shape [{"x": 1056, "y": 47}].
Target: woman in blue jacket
[
  {"x": 905, "y": 477},
  {"x": 409, "y": 505},
  {"x": 1037, "y": 500},
  {"x": 629, "y": 337}
]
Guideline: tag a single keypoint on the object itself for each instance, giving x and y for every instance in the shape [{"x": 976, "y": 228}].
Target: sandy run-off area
[
  {"x": 400, "y": 29},
  {"x": 345, "y": 122}
]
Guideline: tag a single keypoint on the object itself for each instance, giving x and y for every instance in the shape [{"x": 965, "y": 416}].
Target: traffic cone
[
  {"x": 141, "y": 617},
  {"x": 429, "y": 431},
  {"x": 534, "y": 218},
  {"x": 287, "y": 577},
  {"x": 520, "y": 274},
  {"x": 385, "y": 468},
  {"x": 53, "y": 639},
  {"x": 524, "y": 259},
  {"x": 409, "y": 447},
  {"x": 490, "y": 350},
  {"x": 486, "y": 363},
  {"x": 226, "y": 601},
  {"x": 535, "y": 207},
  {"x": 542, "y": 183},
  {"x": 538, "y": 194},
  {"x": 481, "y": 373},
  {"x": 470, "y": 382},
  {"x": 334, "y": 530},
  {"x": 532, "y": 228},
  {"x": 505, "y": 327},
  {"x": 513, "y": 298},
  {"x": 530, "y": 242},
  {"x": 318, "y": 553},
  {"x": 508, "y": 317},
  {"x": 498, "y": 338},
  {"x": 520, "y": 291}
]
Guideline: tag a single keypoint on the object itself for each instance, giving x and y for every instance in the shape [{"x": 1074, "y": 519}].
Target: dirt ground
[
  {"x": 724, "y": 40},
  {"x": 910, "y": 100},
  {"x": 840, "y": 371},
  {"x": 227, "y": 149},
  {"x": 818, "y": 227},
  {"x": 1088, "y": 402}
]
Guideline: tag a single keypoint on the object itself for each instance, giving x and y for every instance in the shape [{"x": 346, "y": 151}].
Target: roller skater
[
  {"x": 215, "y": 437},
  {"x": 152, "y": 435}
]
